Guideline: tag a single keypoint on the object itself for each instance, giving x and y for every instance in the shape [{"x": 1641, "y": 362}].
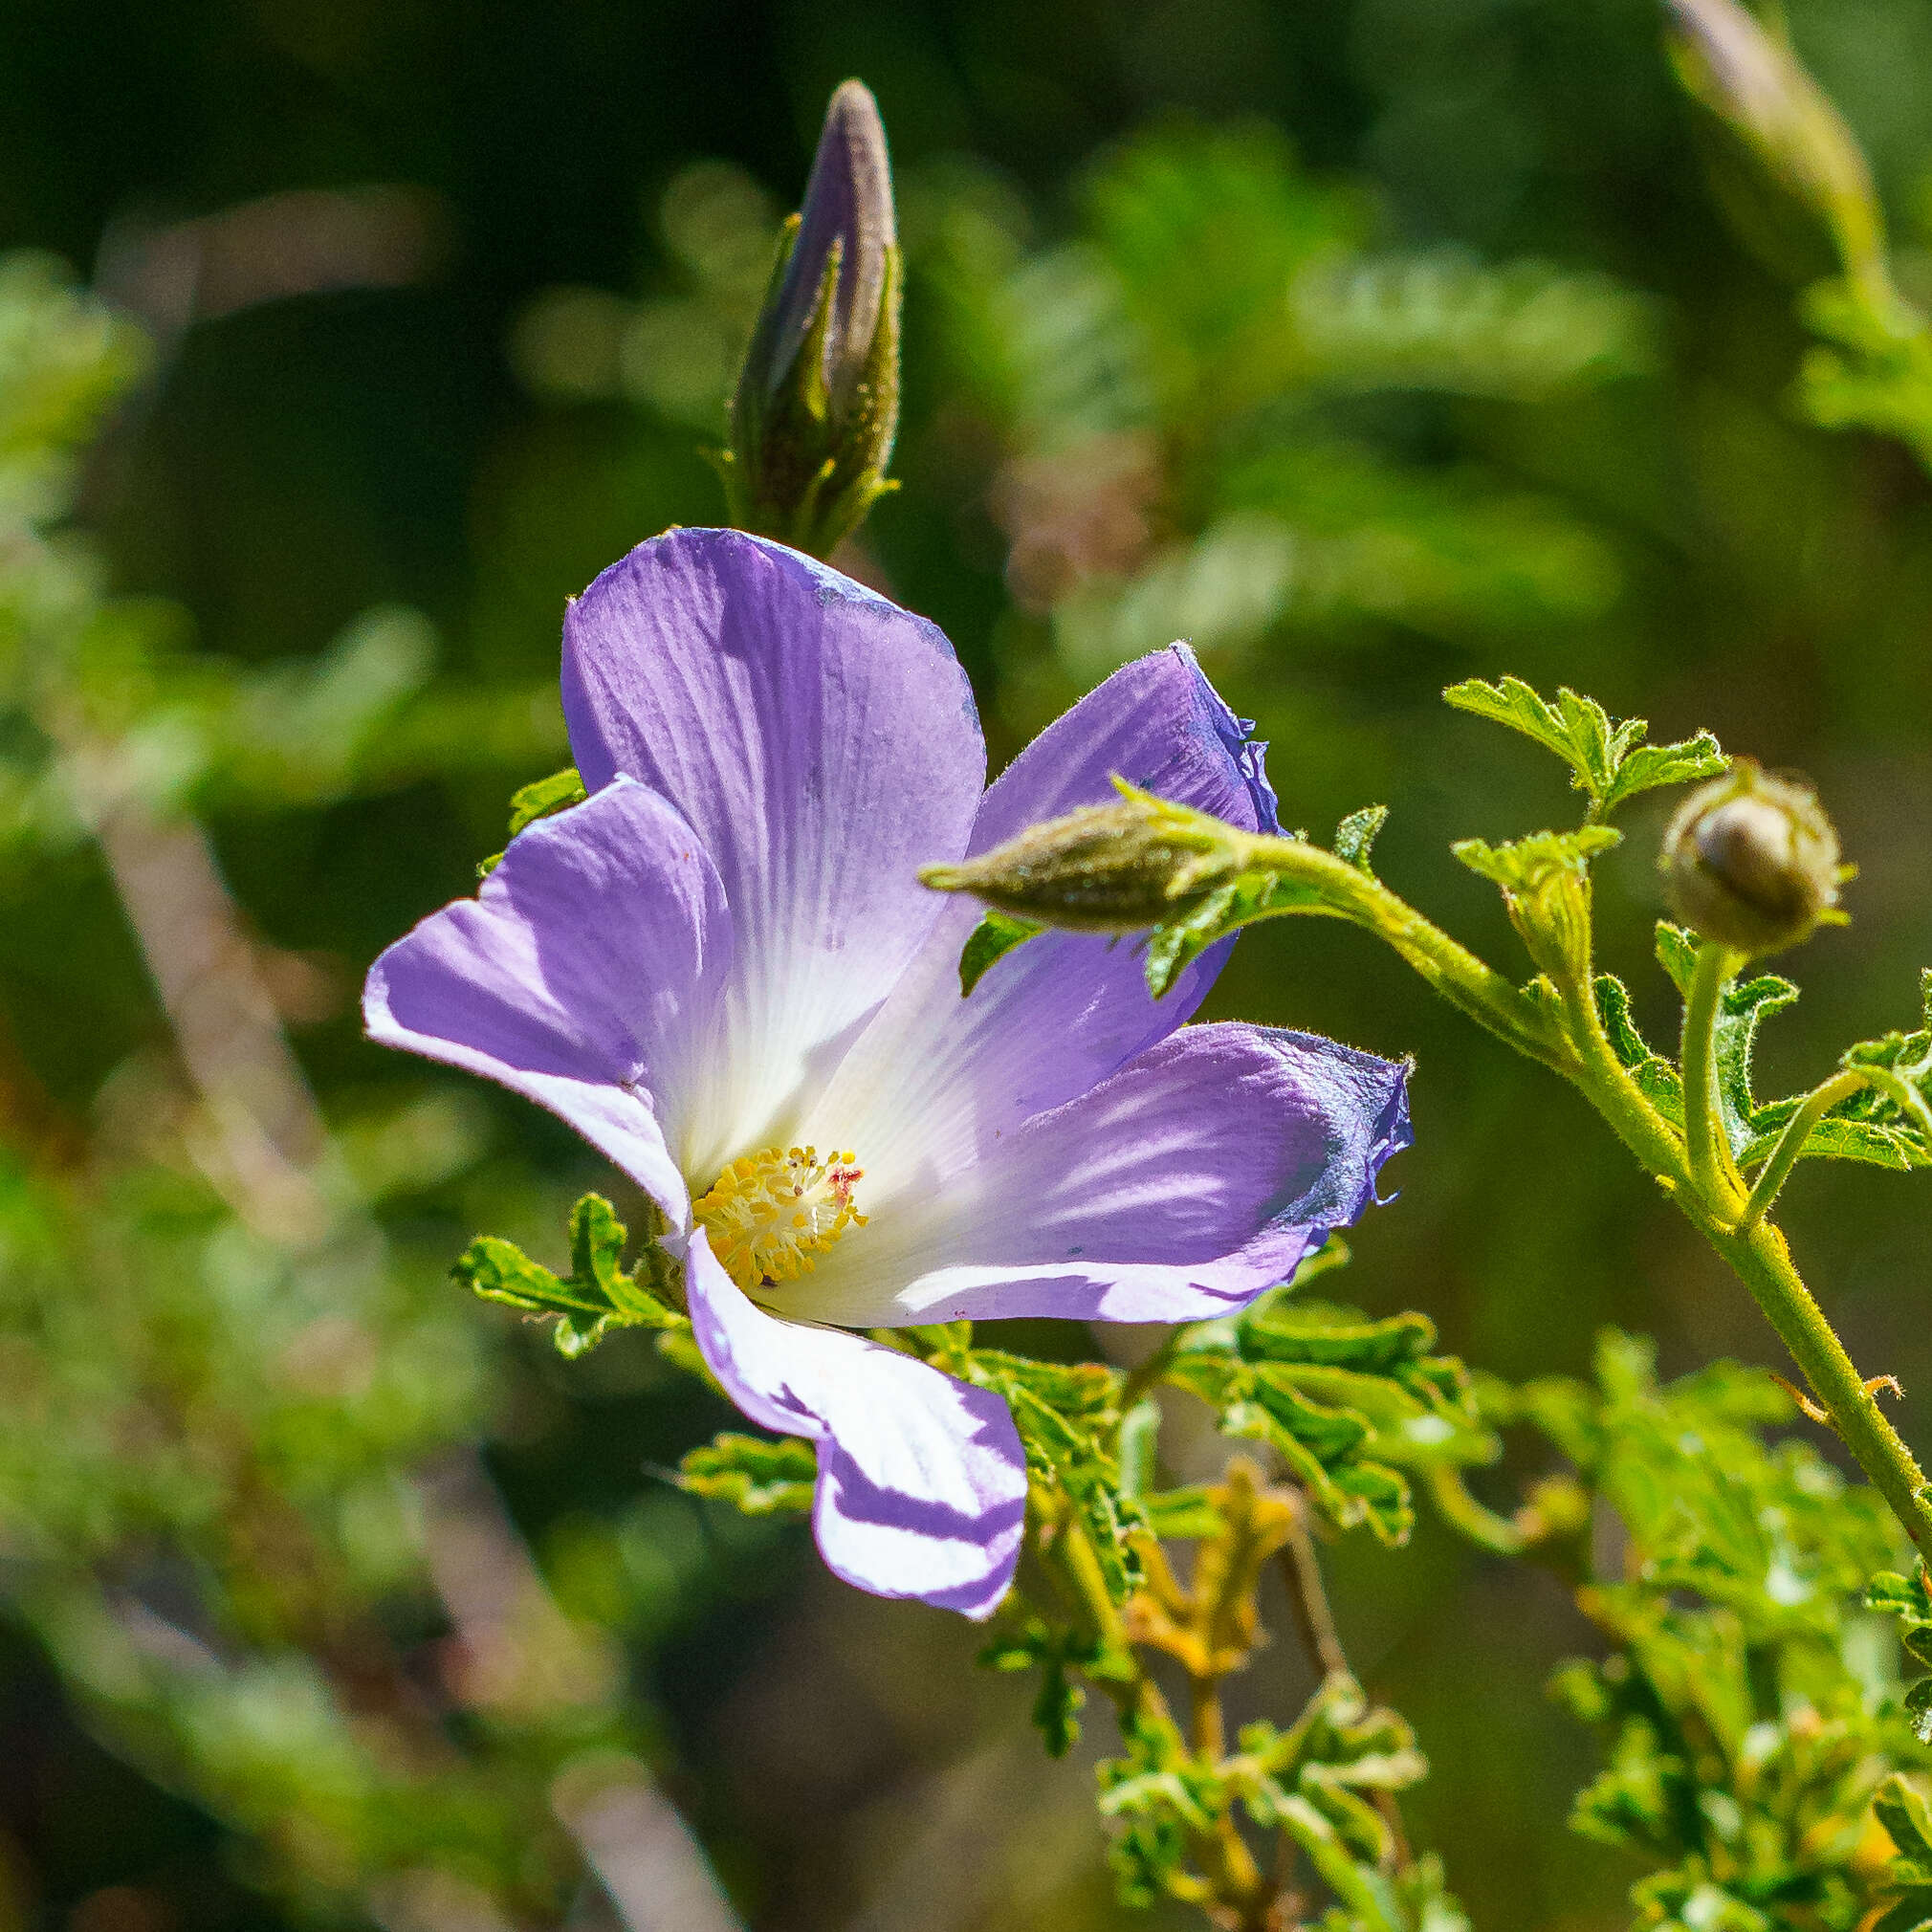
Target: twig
[{"x": 1309, "y": 1600}]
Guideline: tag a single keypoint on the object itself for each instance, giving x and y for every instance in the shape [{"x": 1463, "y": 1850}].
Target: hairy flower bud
[
  {"x": 1751, "y": 861},
  {"x": 817, "y": 401},
  {"x": 1750, "y": 79},
  {"x": 1118, "y": 868}
]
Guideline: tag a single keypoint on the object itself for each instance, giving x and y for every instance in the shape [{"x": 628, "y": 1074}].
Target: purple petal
[
  {"x": 922, "y": 1481},
  {"x": 1157, "y": 721},
  {"x": 1193, "y": 1178},
  {"x": 935, "y": 1081},
  {"x": 822, "y": 743},
  {"x": 586, "y": 974}
]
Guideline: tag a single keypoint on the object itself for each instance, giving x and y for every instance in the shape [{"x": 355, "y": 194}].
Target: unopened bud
[
  {"x": 1104, "y": 869},
  {"x": 817, "y": 401},
  {"x": 1751, "y": 861},
  {"x": 1750, "y": 79}
]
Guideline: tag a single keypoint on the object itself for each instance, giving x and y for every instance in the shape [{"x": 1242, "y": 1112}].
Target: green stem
[
  {"x": 1759, "y": 1256},
  {"x": 1712, "y": 1172},
  {"x": 1604, "y": 1082},
  {"x": 1345, "y": 892},
  {"x": 1142, "y": 1377},
  {"x": 1309, "y": 1598},
  {"x": 1791, "y": 1143},
  {"x": 1473, "y": 1517}
]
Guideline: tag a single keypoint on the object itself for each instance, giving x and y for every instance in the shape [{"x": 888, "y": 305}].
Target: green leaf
[
  {"x": 1879, "y": 1125},
  {"x": 1655, "y": 1076},
  {"x": 756, "y": 1474},
  {"x": 1608, "y": 761},
  {"x": 1649, "y": 766},
  {"x": 1909, "y": 1600},
  {"x": 1523, "y": 865},
  {"x": 1347, "y": 1402},
  {"x": 995, "y": 936},
  {"x": 1031, "y": 1643},
  {"x": 1906, "y": 1818},
  {"x": 595, "y": 1296},
  {"x": 1161, "y": 1797},
  {"x": 1068, "y": 1417},
  {"x": 1355, "y": 836},
  {"x": 1308, "y": 1782}
]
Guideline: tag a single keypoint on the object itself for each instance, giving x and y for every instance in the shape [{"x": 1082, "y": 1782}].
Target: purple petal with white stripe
[{"x": 1197, "y": 1175}]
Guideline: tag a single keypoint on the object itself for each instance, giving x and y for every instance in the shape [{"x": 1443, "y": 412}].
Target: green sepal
[
  {"x": 1608, "y": 761},
  {"x": 556, "y": 793},
  {"x": 995, "y": 936},
  {"x": 756, "y": 1474},
  {"x": 1171, "y": 950},
  {"x": 1182, "y": 1515},
  {"x": 800, "y": 469},
  {"x": 597, "y": 1295}
]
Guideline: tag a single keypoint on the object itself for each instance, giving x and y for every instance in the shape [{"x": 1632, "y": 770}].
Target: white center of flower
[{"x": 771, "y": 1214}]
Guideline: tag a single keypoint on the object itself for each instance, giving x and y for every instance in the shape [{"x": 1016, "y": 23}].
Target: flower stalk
[{"x": 1713, "y": 1173}]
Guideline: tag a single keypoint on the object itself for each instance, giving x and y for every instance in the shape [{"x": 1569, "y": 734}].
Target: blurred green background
[{"x": 1373, "y": 345}]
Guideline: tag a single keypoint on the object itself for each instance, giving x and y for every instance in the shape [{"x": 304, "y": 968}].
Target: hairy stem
[
  {"x": 1712, "y": 1171},
  {"x": 1762, "y": 1260},
  {"x": 1346, "y": 891}
]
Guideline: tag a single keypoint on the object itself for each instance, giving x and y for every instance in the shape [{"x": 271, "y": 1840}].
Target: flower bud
[
  {"x": 1752, "y": 80},
  {"x": 1751, "y": 861},
  {"x": 817, "y": 401},
  {"x": 1119, "y": 867}
]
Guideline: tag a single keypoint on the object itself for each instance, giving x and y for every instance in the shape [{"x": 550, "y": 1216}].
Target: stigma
[{"x": 771, "y": 1215}]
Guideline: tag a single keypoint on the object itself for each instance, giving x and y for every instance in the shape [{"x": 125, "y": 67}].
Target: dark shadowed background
[{"x": 1525, "y": 410}]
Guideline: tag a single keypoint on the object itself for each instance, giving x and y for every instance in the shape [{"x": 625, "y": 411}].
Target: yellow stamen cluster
[{"x": 770, "y": 1214}]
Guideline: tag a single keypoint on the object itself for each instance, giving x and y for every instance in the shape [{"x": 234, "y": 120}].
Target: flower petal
[
  {"x": 822, "y": 743},
  {"x": 587, "y": 975},
  {"x": 922, "y": 1480},
  {"x": 1196, "y": 1177},
  {"x": 1066, "y": 1009}
]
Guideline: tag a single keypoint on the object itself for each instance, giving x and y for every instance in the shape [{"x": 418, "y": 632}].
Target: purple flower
[{"x": 721, "y": 971}]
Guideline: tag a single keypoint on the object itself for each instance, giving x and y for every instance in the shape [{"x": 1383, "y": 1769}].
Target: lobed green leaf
[
  {"x": 1608, "y": 761},
  {"x": 758, "y": 1476},
  {"x": 596, "y": 1297}
]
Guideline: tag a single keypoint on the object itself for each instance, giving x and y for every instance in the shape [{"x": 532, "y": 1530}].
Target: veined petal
[
  {"x": 1194, "y": 1177},
  {"x": 587, "y": 975},
  {"x": 935, "y": 1081},
  {"x": 922, "y": 1480},
  {"x": 822, "y": 743}
]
